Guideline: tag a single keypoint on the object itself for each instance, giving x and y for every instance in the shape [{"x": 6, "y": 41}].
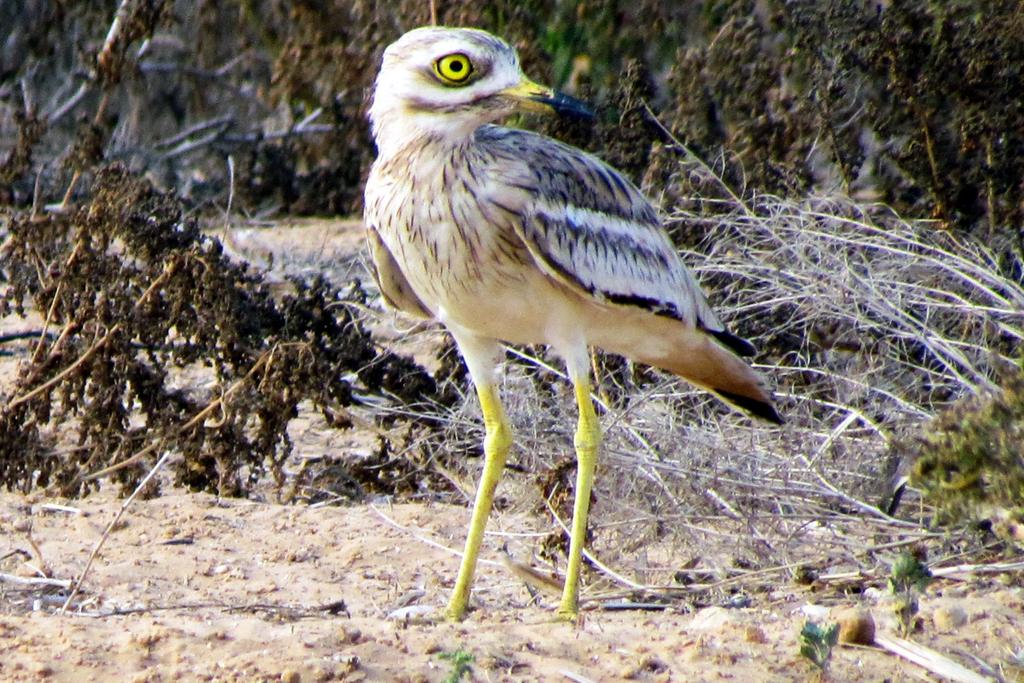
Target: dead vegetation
[{"x": 139, "y": 295}]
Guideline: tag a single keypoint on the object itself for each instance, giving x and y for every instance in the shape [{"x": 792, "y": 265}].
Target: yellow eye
[{"x": 454, "y": 68}]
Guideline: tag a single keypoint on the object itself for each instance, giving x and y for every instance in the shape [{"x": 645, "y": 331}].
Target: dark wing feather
[{"x": 589, "y": 227}]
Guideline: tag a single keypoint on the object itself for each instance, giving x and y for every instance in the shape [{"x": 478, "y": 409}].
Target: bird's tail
[{"x": 710, "y": 364}]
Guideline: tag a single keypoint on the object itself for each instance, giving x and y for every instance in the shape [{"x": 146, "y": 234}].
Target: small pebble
[
  {"x": 348, "y": 636},
  {"x": 754, "y": 634},
  {"x": 815, "y": 612},
  {"x": 949, "y": 617},
  {"x": 348, "y": 662},
  {"x": 856, "y": 625}
]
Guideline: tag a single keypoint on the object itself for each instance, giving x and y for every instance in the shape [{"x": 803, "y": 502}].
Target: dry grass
[{"x": 868, "y": 325}]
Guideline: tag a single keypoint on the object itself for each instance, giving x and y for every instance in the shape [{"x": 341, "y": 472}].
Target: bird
[{"x": 506, "y": 236}]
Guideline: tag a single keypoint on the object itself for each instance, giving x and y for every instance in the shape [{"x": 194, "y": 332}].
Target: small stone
[
  {"x": 856, "y": 625},
  {"x": 290, "y": 676},
  {"x": 754, "y": 634},
  {"x": 629, "y": 673},
  {"x": 873, "y": 594},
  {"x": 488, "y": 662},
  {"x": 148, "y": 639},
  {"x": 815, "y": 612},
  {"x": 350, "y": 636},
  {"x": 348, "y": 662},
  {"x": 652, "y": 664},
  {"x": 949, "y": 617}
]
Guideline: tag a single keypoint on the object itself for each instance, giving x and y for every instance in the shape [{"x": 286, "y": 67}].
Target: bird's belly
[
  {"x": 507, "y": 299},
  {"x": 529, "y": 310}
]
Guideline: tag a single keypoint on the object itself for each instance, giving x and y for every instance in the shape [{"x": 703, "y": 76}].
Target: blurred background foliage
[{"x": 918, "y": 104}]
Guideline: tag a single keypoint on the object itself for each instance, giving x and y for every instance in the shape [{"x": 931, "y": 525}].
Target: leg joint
[{"x": 499, "y": 437}]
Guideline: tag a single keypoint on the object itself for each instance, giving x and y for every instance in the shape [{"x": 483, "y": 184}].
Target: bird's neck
[
  {"x": 409, "y": 149},
  {"x": 398, "y": 132}
]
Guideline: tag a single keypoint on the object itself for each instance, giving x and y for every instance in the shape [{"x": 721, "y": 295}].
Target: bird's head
[{"x": 446, "y": 82}]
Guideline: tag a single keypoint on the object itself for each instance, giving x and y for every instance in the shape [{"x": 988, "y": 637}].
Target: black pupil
[{"x": 455, "y": 66}]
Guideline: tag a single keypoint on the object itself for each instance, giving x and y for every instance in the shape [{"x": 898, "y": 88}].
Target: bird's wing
[
  {"x": 390, "y": 280},
  {"x": 593, "y": 230}
]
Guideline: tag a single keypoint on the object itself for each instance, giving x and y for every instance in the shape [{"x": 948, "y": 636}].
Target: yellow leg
[
  {"x": 496, "y": 445},
  {"x": 587, "y": 441}
]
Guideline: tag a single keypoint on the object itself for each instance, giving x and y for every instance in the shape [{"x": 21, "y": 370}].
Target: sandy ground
[{"x": 191, "y": 587}]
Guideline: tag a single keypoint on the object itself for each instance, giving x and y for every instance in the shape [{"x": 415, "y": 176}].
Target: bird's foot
[
  {"x": 457, "y": 608},
  {"x": 569, "y": 614},
  {"x": 453, "y": 615}
]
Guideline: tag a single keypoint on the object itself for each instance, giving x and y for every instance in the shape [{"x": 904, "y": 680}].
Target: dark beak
[
  {"x": 528, "y": 95},
  {"x": 563, "y": 105}
]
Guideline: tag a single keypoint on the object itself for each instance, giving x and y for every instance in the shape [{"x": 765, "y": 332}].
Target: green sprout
[
  {"x": 462, "y": 664},
  {"x": 909, "y": 577},
  {"x": 816, "y": 643},
  {"x": 909, "y": 573}
]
